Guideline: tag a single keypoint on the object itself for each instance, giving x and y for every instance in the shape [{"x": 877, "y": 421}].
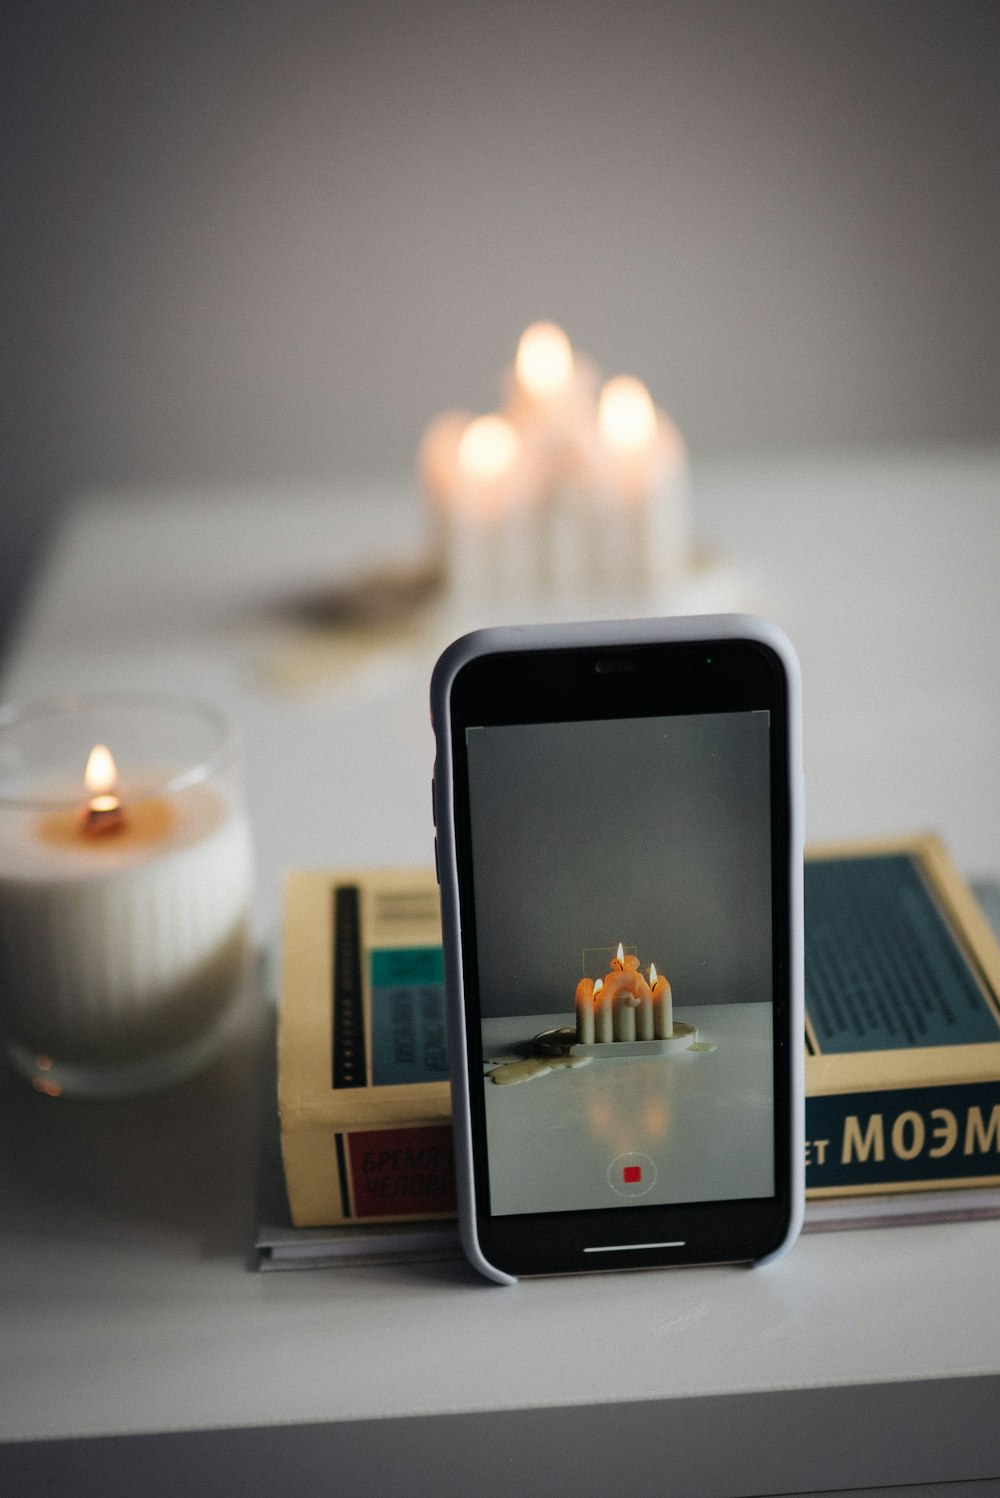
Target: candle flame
[
  {"x": 620, "y": 954},
  {"x": 488, "y": 447},
  {"x": 102, "y": 811},
  {"x": 652, "y": 975},
  {"x": 544, "y": 362},
  {"x": 101, "y": 774},
  {"x": 626, "y": 415},
  {"x": 598, "y": 985}
]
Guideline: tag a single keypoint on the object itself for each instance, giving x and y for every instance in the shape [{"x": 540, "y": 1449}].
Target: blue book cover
[{"x": 902, "y": 976}]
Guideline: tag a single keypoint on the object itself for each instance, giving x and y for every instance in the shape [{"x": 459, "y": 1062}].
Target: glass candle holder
[{"x": 125, "y": 885}]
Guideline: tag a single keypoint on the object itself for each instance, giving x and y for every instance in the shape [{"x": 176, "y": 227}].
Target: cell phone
[{"x": 619, "y": 846}]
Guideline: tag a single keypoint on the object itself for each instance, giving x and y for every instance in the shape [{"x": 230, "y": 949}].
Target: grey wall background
[
  {"x": 255, "y": 241},
  {"x": 672, "y": 858}
]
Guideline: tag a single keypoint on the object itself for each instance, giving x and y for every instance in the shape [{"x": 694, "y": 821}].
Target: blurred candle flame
[
  {"x": 626, "y": 415},
  {"x": 544, "y": 361},
  {"x": 101, "y": 775},
  {"x": 102, "y": 811},
  {"x": 488, "y": 448}
]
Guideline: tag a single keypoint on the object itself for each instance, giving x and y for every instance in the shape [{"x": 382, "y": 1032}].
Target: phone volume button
[
  {"x": 437, "y": 866},
  {"x": 434, "y": 798}
]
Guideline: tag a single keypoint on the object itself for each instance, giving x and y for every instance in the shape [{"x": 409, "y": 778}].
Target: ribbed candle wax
[{"x": 118, "y": 949}]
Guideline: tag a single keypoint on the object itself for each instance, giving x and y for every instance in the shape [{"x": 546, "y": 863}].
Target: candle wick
[{"x": 102, "y": 815}]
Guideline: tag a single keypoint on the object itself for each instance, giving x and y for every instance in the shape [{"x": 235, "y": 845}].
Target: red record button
[{"x": 632, "y": 1174}]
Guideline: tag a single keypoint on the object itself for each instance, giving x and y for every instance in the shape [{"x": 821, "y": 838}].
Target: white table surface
[
  {"x": 127, "y": 1303},
  {"x": 558, "y": 1140}
]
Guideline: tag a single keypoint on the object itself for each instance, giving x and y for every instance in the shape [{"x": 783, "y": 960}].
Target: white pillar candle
[
  {"x": 670, "y": 536},
  {"x": 551, "y": 401},
  {"x": 604, "y": 1025},
  {"x": 625, "y": 1006},
  {"x": 542, "y": 389},
  {"x": 585, "y": 1011},
  {"x": 570, "y": 555},
  {"x": 485, "y": 511},
  {"x": 663, "y": 1005},
  {"x": 121, "y": 950},
  {"x": 551, "y": 397},
  {"x": 644, "y": 484},
  {"x": 644, "y": 1028},
  {"x": 437, "y": 472}
]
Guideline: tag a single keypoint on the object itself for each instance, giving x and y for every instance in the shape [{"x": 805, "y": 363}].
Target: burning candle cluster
[
  {"x": 573, "y": 496},
  {"x": 624, "y": 1005}
]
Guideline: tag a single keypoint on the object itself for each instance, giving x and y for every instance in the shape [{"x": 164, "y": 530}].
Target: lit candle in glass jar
[{"x": 124, "y": 911}]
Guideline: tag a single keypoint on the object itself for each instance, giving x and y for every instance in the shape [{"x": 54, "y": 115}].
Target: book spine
[{"x": 904, "y": 1138}]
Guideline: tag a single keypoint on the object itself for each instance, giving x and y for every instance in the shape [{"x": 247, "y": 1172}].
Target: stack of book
[{"x": 902, "y": 1057}]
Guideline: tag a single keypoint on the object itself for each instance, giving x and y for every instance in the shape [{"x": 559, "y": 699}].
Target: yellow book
[
  {"x": 363, "y": 1097},
  {"x": 902, "y": 1035}
]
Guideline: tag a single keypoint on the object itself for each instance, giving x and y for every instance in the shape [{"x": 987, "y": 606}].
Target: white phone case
[{"x": 599, "y": 634}]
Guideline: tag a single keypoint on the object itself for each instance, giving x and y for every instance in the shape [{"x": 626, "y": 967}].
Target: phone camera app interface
[{"x": 622, "y": 873}]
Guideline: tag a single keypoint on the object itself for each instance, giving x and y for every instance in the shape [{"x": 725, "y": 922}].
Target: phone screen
[
  {"x": 622, "y": 834},
  {"x": 652, "y": 833}
]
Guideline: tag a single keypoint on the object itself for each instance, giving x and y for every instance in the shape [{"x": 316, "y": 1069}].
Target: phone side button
[
  {"x": 437, "y": 866},
  {"x": 434, "y": 796}
]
